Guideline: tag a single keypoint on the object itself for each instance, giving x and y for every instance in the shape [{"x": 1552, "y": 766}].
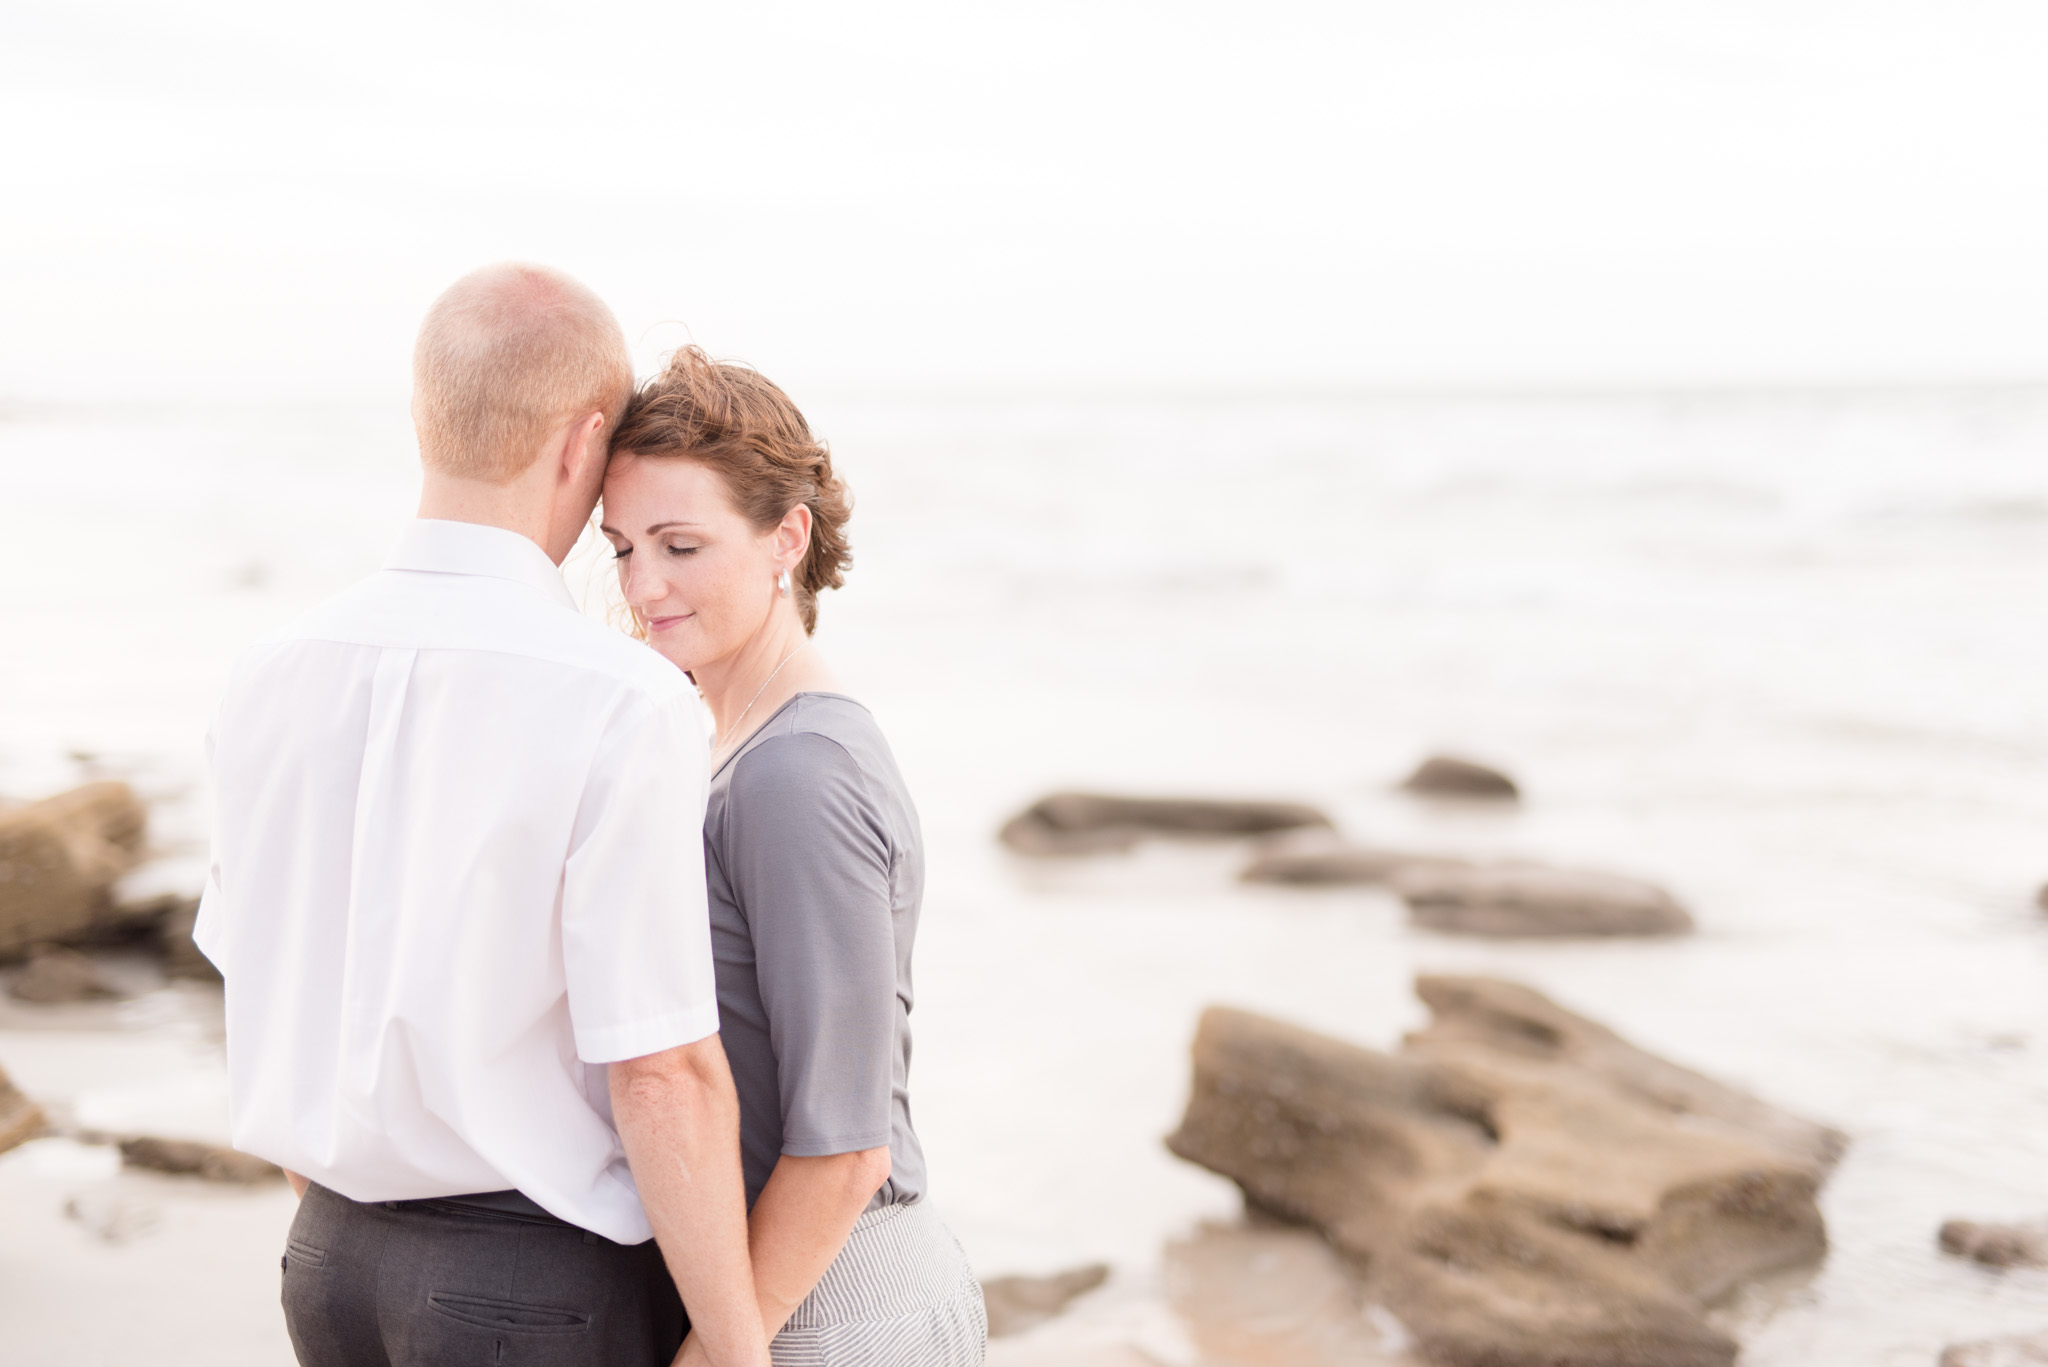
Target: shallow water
[{"x": 1780, "y": 653}]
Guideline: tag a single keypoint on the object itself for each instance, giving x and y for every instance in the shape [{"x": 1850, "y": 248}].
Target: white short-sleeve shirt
[{"x": 457, "y": 869}]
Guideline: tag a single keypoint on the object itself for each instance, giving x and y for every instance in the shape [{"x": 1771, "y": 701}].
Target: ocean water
[{"x": 1780, "y": 652}]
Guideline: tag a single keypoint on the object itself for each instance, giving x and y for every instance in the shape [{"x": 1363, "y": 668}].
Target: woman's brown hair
[{"x": 737, "y": 421}]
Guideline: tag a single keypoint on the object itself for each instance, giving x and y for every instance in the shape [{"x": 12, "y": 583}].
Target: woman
[{"x": 727, "y": 522}]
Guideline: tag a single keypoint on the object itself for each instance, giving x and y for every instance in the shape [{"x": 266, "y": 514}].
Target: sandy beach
[{"x": 1769, "y": 651}]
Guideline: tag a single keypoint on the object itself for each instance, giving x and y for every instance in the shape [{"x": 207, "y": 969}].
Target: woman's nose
[{"x": 643, "y": 586}]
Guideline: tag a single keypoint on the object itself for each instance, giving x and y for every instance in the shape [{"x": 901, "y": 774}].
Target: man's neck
[{"x": 514, "y": 506}]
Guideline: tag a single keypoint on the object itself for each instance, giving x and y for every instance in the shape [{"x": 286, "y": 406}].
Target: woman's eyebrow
[{"x": 664, "y": 526}]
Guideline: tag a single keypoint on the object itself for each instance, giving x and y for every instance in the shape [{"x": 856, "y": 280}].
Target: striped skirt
[{"x": 900, "y": 1294}]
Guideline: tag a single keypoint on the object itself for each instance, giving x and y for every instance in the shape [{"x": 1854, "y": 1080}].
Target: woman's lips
[{"x": 664, "y": 623}]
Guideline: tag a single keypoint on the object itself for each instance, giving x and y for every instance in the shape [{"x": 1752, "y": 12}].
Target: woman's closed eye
[{"x": 621, "y": 552}]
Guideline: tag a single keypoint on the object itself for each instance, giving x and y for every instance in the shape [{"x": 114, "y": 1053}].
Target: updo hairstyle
[{"x": 738, "y": 422}]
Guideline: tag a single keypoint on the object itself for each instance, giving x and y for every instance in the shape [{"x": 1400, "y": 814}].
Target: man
[{"x": 458, "y": 898}]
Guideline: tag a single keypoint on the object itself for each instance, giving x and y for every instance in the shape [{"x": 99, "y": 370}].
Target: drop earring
[{"x": 782, "y": 583}]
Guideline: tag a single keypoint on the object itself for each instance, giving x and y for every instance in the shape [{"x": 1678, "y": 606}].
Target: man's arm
[{"x": 679, "y": 1119}]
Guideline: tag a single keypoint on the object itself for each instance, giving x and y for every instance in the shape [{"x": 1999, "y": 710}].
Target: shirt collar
[{"x": 438, "y": 547}]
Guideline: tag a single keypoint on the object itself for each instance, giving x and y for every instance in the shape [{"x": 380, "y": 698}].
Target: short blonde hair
[{"x": 506, "y": 355}]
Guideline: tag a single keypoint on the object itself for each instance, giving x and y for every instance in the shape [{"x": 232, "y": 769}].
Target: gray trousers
[{"x": 489, "y": 1281}]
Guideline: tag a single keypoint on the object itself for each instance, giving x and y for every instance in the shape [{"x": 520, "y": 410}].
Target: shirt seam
[
  {"x": 761, "y": 736},
  {"x": 866, "y": 788},
  {"x": 866, "y": 781}
]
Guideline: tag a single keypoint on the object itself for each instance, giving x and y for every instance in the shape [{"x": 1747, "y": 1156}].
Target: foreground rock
[
  {"x": 1997, "y": 1245},
  {"x": 1019, "y": 1303},
  {"x": 1448, "y": 776},
  {"x": 20, "y": 1119},
  {"x": 2026, "y": 1350},
  {"x": 1091, "y": 823},
  {"x": 59, "y": 859},
  {"x": 1533, "y": 900},
  {"x": 189, "y": 1158},
  {"x": 1523, "y": 1187}
]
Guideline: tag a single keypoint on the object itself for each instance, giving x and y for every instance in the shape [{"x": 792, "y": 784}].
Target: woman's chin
[{"x": 675, "y": 654}]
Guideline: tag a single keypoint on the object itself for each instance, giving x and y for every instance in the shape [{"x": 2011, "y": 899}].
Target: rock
[
  {"x": 20, "y": 1119},
  {"x": 1447, "y": 776},
  {"x": 60, "y": 975},
  {"x": 1533, "y": 900},
  {"x": 59, "y": 858},
  {"x": 1523, "y": 1187},
  {"x": 1997, "y": 1245},
  {"x": 181, "y": 957},
  {"x": 1019, "y": 1303},
  {"x": 1462, "y": 895},
  {"x": 1335, "y": 863},
  {"x": 1089, "y": 823},
  {"x": 186, "y": 1157},
  {"x": 2026, "y": 1350}
]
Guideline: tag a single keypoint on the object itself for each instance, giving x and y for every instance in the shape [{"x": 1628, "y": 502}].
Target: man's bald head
[{"x": 506, "y": 357}]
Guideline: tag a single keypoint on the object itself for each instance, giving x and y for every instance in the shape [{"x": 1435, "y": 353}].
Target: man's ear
[{"x": 583, "y": 447}]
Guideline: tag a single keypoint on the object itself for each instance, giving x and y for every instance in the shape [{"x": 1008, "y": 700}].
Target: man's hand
[
  {"x": 680, "y": 1122},
  {"x": 299, "y": 1184},
  {"x": 692, "y": 1354}
]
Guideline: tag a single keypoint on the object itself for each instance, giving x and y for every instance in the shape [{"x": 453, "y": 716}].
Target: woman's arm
[
  {"x": 810, "y": 864},
  {"x": 801, "y": 1222}
]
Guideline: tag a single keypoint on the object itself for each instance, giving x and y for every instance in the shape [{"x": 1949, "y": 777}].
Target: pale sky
[{"x": 219, "y": 198}]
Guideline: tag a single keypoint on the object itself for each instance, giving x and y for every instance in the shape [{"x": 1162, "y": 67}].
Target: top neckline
[{"x": 766, "y": 721}]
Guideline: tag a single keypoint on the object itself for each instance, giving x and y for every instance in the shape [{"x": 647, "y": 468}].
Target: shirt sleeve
[
  {"x": 636, "y": 930},
  {"x": 809, "y": 861}
]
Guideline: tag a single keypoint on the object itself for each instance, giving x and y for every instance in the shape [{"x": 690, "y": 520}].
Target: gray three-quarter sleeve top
[{"x": 816, "y": 871}]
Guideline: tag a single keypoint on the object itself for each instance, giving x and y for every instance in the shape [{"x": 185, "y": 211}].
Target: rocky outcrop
[
  {"x": 190, "y": 1158},
  {"x": 1997, "y": 1245},
  {"x": 1448, "y": 776},
  {"x": 1535, "y": 900},
  {"x": 59, "y": 859},
  {"x": 1523, "y": 1187},
  {"x": 2025, "y": 1350},
  {"x": 1091, "y": 823},
  {"x": 1019, "y": 1303},
  {"x": 20, "y": 1119}
]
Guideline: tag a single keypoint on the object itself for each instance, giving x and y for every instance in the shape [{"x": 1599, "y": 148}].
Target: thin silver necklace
[{"x": 723, "y": 740}]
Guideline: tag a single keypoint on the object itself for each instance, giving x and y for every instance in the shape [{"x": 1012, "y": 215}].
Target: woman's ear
[{"x": 793, "y": 536}]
